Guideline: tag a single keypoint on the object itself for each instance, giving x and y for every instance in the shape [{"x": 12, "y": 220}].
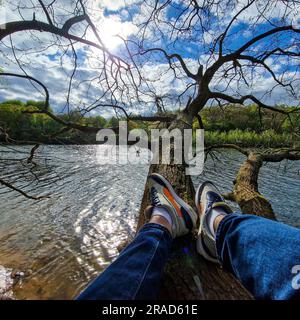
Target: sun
[{"x": 111, "y": 29}]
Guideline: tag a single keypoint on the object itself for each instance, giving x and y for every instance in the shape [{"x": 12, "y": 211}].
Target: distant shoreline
[{"x": 71, "y": 143}]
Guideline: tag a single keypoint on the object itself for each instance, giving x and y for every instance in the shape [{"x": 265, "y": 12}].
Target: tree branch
[
  {"x": 18, "y": 26},
  {"x": 70, "y": 22},
  {"x": 230, "y": 24},
  {"x": 262, "y": 36},
  {"x": 282, "y": 154},
  {"x": 25, "y": 76},
  {"x": 46, "y": 12},
  {"x": 227, "y": 146},
  {"x": 172, "y": 56},
  {"x": 73, "y": 125},
  {"x": 153, "y": 118},
  {"x": 242, "y": 100},
  {"x": 10, "y": 186}
]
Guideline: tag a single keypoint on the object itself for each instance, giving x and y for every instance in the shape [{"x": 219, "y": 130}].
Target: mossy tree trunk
[
  {"x": 187, "y": 275},
  {"x": 245, "y": 191}
]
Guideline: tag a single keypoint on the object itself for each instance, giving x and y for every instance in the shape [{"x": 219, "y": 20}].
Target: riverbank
[
  {"x": 249, "y": 139},
  {"x": 243, "y": 138},
  {"x": 241, "y": 125},
  {"x": 6, "y": 284}
]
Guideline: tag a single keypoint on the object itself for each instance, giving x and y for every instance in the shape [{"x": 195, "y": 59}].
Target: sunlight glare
[{"x": 110, "y": 29}]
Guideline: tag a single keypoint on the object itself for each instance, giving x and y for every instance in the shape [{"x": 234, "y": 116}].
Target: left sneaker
[
  {"x": 208, "y": 197},
  {"x": 162, "y": 194}
]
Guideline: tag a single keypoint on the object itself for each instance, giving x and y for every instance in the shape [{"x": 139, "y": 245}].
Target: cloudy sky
[{"x": 51, "y": 59}]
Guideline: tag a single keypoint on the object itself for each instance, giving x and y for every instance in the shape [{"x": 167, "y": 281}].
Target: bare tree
[{"x": 235, "y": 45}]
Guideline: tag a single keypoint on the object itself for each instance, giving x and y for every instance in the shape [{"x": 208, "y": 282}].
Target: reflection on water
[{"x": 65, "y": 241}]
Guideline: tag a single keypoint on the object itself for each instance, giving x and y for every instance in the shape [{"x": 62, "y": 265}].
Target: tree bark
[
  {"x": 245, "y": 191},
  {"x": 187, "y": 275}
]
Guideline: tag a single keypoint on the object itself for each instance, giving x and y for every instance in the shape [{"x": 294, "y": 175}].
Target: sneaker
[
  {"x": 207, "y": 198},
  {"x": 162, "y": 194}
]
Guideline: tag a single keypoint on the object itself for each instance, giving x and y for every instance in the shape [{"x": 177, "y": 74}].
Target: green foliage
[
  {"x": 23, "y": 126},
  {"x": 247, "y": 118},
  {"x": 13, "y": 102},
  {"x": 238, "y": 125},
  {"x": 97, "y": 121},
  {"x": 113, "y": 122},
  {"x": 268, "y": 138},
  {"x": 31, "y": 127},
  {"x": 37, "y": 104}
]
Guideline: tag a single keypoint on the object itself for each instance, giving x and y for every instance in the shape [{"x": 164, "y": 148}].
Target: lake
[{"x": 63, "y": 242}]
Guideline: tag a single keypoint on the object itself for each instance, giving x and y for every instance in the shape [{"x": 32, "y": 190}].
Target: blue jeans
[{"x": 263, "y": 254}]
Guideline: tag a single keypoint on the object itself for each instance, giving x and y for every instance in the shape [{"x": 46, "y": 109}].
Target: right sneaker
[
  {"x": 163, "y": 195},
  {"x": 208, "y": 198}
]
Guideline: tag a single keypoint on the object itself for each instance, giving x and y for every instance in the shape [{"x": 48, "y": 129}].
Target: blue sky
[{"x": 53, "y": 66}]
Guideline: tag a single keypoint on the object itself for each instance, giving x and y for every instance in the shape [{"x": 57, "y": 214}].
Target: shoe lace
[{"x": 154, "y": 197}]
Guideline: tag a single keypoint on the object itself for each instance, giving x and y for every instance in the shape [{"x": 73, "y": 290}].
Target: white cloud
[
  {"x": 111, "y": 27},
  {"x": 117, "y": 4},
  {"x": 53, "y": 68}
]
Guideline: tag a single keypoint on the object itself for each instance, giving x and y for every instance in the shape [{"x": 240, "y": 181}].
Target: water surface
[{"x": 65, "y": 241}]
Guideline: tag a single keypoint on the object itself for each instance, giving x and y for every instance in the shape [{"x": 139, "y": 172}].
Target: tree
[
  {"x": 113, "y": 122},
  {"x": 236, "y": 45},
  {"x": 98, "y": 121}
]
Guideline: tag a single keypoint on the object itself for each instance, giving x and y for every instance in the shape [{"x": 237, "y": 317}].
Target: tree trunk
[
  {"x": 187, "y": 275},
  {"x": 245, "y": 191}
]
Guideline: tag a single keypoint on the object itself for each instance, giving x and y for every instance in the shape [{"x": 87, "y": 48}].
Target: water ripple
[{"x": 65, "y": 241}]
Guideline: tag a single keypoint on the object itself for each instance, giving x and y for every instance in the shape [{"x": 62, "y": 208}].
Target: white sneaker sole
[
  {"x": 175, "y": 196},
  {"x": 199, "y": 244}
]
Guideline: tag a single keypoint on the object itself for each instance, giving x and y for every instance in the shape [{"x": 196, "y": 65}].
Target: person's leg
[
  {"x": 137, "y": 272},
  {"x": 262, "y": 254}
]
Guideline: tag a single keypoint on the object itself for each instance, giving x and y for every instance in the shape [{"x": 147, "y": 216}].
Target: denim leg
[
  {"x": 137, "y": 271},
  {"x": 263, "y": 254}
]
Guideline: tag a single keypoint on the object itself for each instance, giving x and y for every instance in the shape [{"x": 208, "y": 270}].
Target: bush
[
  {"x": 13, "y": 102},
  {"x": 267, "y": 139}
]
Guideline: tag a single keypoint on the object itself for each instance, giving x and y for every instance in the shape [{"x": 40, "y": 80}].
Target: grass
[{"x": 267, "y": 139}]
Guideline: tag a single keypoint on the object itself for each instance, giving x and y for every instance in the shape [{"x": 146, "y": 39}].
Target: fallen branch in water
[
  {"x": 227, "y": 146},
  {"x": 9, "y": 185},
  {"x": 32, "y": 152},
  {"x": 245, "y": 190}
]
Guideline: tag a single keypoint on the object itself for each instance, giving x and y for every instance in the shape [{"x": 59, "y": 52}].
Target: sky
[{"x": 44, "y": 57}]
